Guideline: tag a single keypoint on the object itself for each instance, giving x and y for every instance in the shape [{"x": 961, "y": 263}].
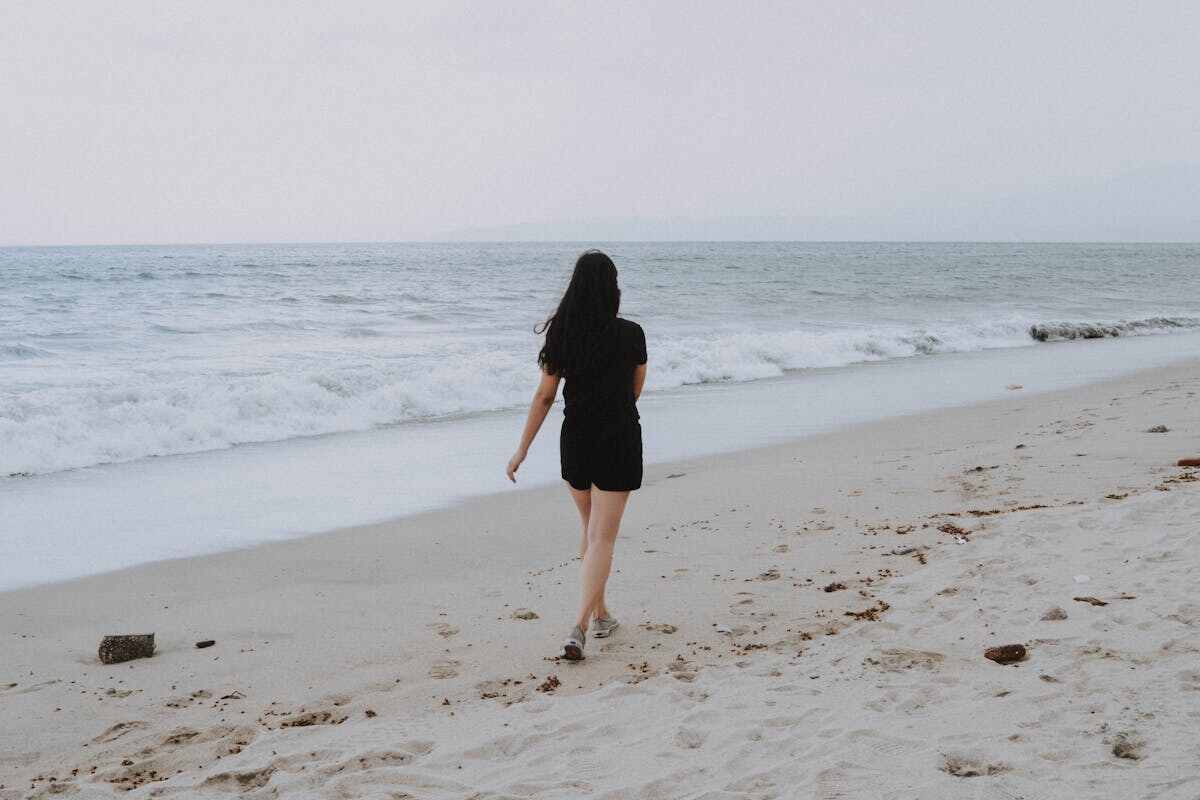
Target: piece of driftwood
[
  {"x": 115, "y": 649},
  {"x": 1189, "y": 462}
]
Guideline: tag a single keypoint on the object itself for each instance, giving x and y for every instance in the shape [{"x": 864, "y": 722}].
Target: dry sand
[{"x": 388, "y": 661}]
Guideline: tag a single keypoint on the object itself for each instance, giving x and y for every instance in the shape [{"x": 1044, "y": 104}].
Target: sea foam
[{"x": 83, "y": 423}]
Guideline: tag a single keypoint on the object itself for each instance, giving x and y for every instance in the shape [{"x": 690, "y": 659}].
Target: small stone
[
  {"x": 1054, "y": 614},
  {"x": 524, "y": 613},
  {"x": 1006, "y": 653},
  {"x": 1158, "y": 429},
  {"x": 205, "y": 643}
]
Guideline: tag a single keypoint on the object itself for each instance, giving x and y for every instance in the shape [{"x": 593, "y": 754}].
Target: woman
[{"x": 602, "y": 358}]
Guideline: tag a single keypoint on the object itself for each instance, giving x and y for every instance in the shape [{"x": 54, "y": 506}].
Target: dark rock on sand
[
  {"x": 1189, "y": 462},
  {"x": 115, "y": 649},
  {"x": 205, "y": 643},
  {"x": 1158, "y": 429},
  {"x": 1006, "y": 653}
]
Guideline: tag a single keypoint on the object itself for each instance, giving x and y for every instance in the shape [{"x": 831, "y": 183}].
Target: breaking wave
[{"x": 105, "y": 421}]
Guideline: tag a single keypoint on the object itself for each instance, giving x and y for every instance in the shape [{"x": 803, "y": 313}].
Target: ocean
[{"x": 132, "y": 377}]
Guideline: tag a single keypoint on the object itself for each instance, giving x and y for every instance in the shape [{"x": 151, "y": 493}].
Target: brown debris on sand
[
  {"x": 1006, "y": 653},
  {"x": 1158, "y": 429},
  {"x": 126, "y": 647},
  {"x": 525, "y": 614},
  {"x": 870, "y": 614},
  {"x": 1128, "y": 745},
  {"x": 1188, "y": 462},
  {"x": 1055, "y": 614},
  {"x": 550, "y": 684},
  {"x": 836, "y": 586},
  {"x": 1095, "y": 601},
  {"x": 953, "y": 530}
]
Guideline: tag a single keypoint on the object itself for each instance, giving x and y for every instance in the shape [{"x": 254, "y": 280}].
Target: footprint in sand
[
  {"x": 187, "y": 700},
  {"x": 242, "y": 782},
  {"x": 444, "y": 629},
  {"x": 444, "y": 669},
  {"x": 682, "y": 670},
  {"x": 899, "y": 659},
  {"x": 660, "y": 627},
  {"x": 117, "y": 731},
  {"x": 845, "y": 782},
  {"x": 1189, "y": 680},
  {"x": 305, "y": 719},
  {"x": 880, "y": 745},
  {"x": 370, "y": 760},
  {"x": 961, "y": 766}
]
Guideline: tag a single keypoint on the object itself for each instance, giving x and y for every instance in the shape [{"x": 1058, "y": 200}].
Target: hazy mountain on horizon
[{"x": 1150, "y": 204}]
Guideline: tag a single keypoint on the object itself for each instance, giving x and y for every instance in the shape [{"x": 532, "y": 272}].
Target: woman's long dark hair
[{"x": 579, "y": 336}]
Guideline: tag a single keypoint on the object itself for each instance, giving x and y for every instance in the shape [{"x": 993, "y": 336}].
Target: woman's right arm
[{"x": 543, "y": 398}]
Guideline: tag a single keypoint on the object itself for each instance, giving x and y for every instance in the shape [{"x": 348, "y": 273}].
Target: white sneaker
[
  {"x": 603, "y": 627},
  {"x": 573, "y": 646}
]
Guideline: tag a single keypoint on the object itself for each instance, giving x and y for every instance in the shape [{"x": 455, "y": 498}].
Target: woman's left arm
[
  {"x": 543, "y": 398},
  {"x": 639, "y": 380}
]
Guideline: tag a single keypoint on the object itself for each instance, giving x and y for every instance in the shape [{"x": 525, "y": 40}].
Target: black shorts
[{"x": 608, "y": 456}]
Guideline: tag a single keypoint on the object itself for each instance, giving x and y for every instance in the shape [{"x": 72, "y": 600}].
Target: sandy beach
[{"x": 806, "y": 620}]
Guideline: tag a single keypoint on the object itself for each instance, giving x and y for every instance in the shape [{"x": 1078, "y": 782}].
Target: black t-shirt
[{"x": 605, "y": 394}]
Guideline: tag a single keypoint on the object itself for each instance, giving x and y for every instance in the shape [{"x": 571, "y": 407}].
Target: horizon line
[{"x": 265, "y": 242}]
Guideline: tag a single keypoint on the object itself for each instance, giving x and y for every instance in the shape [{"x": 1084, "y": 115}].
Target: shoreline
[
  {"x": 228, "y": 501},
  {"x": 720, "y": 566},
  {"x": 655, "y": 472}
]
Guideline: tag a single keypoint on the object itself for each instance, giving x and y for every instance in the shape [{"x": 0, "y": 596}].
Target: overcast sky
[{"x": 212, "y": 121}]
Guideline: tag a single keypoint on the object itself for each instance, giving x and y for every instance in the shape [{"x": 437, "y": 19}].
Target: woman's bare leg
[
  {"x": 604, "y": 522},
  {"x": 583, "y": 502}
]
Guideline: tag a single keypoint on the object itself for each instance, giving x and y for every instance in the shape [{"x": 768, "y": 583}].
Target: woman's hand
[{"x": 514, "y": 464}]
